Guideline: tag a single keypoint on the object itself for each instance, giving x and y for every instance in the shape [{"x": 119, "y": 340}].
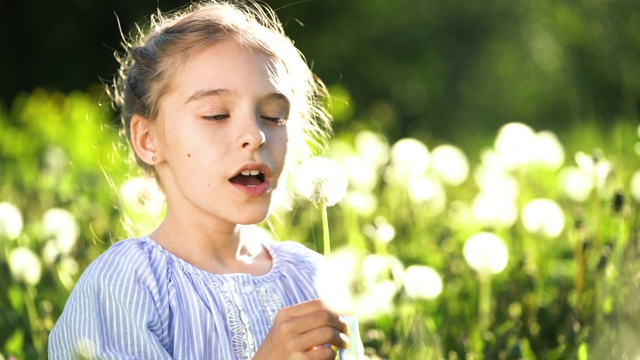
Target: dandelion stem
[{"x": 325, "y": 229}]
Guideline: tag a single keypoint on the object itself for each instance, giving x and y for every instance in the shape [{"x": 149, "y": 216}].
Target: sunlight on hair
[
  {"x": 422, "y": 282},
  {"x": 61, "y": 226},
  {"x": 515, "y": 145},
  {"x": 25, "y": 265},
  {"x": 486, "y": 253},
  {"x": 544, "y": 217},
  {"x": 575, "y": 183},
  {"x": 320, "y": 180},
  {"x": 410, "y": 158},
  {"x": 142, "y": 194},
  {"x": 11, "y": 222},
  {"x": 450, "y": 164}
]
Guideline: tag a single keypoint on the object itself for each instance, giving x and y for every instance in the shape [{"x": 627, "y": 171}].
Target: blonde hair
[{"x": 152, "y": 58}]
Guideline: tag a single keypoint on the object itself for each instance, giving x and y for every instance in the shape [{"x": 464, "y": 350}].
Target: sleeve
[{"x": 110, "y": 314}]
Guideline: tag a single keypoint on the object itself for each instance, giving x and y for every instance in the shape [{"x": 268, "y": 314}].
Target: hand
[{"x": 305, "y": 331}]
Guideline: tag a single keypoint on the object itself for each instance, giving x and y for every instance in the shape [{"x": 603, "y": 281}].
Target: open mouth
[{"x": 249, "y": 178}]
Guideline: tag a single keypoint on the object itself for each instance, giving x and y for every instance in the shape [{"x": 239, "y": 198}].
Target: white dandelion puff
[
  {"x": 11, "y": 222},
  {"x": 549, "y": 150},
  {"x": 575, "y": 183},
  {"x": 486, "y": 253},
  {"x": 544, "y": 217},
  {"x": 60, "y": 225},
  {"x": 25, "y": 265},
  {"x": 422, "y": 282},
  {"x": 321, "y": 181},
  {"x": 635, "y": 185},
  {"x": 450, "y": 164},
  {"x": 515, "y": 145},
  {"x": 409, "y": 158}
]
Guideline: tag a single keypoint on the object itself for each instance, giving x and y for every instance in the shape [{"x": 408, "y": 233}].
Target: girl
[{"x": 216, "y": 103}]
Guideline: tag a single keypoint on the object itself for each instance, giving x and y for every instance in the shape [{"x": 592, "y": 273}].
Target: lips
[
  {"x": 249, "y": 178},
  {"x": 254, "y": 179}
]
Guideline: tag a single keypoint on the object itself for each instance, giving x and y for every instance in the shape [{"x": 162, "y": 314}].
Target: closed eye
[
  {"x": 277, "y": 120},
  {"x": 217, "y": 117}
]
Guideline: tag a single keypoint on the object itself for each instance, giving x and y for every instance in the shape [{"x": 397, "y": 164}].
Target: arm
[{"x": 304, "y": 331}]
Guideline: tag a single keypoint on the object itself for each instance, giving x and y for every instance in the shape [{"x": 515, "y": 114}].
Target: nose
[
  {"x": 252, "y": 136},
  {"x": 253, "y": 142}
]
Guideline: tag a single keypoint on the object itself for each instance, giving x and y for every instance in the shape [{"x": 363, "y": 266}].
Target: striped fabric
[{"x": 138, "y": 301}]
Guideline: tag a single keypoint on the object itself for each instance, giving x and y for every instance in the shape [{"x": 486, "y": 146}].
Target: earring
[{"x": 153, "y": 158}]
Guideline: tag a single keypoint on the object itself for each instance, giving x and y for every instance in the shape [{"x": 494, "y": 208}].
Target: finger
[
  {"x": 321, "y": 353},
  {"x": 323, "y": 336},
  {"x": 303, "y": 308},
  {"x": 321, "y": 318}
]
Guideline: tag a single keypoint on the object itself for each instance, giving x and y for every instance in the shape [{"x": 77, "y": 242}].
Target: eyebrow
[{"x": 204, "y": 93}]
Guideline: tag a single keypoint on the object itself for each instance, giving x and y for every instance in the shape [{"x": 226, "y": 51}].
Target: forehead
[{"x": 231, "y": 65}]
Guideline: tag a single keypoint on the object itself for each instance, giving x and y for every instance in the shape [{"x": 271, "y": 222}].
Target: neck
[{"x": 217, "y": 248}]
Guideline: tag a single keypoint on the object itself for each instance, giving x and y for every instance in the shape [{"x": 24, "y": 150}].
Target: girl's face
[{"x": 221, "y": 137}]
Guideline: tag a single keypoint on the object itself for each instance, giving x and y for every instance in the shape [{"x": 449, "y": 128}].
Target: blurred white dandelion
[
  {"x": 364, "y": 204},
  {"x": 486, "y": 253},
  {"x": 450, "y": 164},
  {"x": 595, "y": 165},
  {"x": 11, "y": 222},
  {"x": 362, "y": 174},
  {"x": 549, "y": 150},
  {"x": 635, "y": 185},
  {"x": 377, "y": 268},
  {"x": 422, "y": 282},
  {"x": 515, "y": 145},
  {"x": 373, "y": 146},
  {"x": 142, "y": 194},
  {"x": 494, "y": 209},
  {"x": 338, "y": 279},
  {"x": 544, "y": 217},
  {"x": 61, "y": 226},
  {"x": 429, "y": 192},
  {"x": 381, "y": 231},
  {"x": 575, "y": 183},
  {"x": 409, "y": 158},
  {"x": 25, "y": 265},
  {"x": 492, "y": 180},
  {"x": 321, "y": 181}
]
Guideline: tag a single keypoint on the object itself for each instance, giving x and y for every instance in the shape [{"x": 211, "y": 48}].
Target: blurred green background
[{"x": 501, "y": 122}]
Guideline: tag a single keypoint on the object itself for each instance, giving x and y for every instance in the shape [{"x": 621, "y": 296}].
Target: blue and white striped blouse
[{"x": 138, "y": 300}]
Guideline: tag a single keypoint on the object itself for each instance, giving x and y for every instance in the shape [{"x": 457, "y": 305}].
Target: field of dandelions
[{"x": 525, "y": 248}]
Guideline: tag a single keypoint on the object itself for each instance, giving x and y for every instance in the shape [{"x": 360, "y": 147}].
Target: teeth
[{"x": 250, "y": 172}]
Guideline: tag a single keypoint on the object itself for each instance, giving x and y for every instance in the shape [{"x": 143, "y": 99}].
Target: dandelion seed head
[
  {"x": 362, "y": 174},
  {"x": 422, "y": 282},
  {"x": 549, "y": 150},
  {"x": 11, "y": 222},
  {"x": 373, "y": 146},
  {"x": 515, "y": 145},
  {"x": 491, "y": 180},
  {"x": 25, "y": 265},
  {"x": 635, "y": 185},
  {"x": 428, "y": 191},
  {"x": 364, "y": 204},
  {"x": 60, "y": 225},
  {"x": 544, "y": 217},
  {"x": 321, "y": 180},
  {"x": 450, "y": 164},
  {"x": 50, "y": 252},
  {"x": 575, "y": 183},
  {"x": 409, "y": 158},
  {"x": 377, "y": 300},
  {"x": 494, "y": 209},
  {"x": 337, "y": 279},
  {"x": 142, "y": 194},
  {"x": 486, "y": 253}
]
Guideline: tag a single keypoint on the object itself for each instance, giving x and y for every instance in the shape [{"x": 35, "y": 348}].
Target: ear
[{"x": 143, "y": 139}]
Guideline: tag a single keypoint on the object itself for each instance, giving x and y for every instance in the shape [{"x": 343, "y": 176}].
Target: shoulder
[
  {"x": 296, "y": 255},
  {"x": 126, "y": 264}
]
